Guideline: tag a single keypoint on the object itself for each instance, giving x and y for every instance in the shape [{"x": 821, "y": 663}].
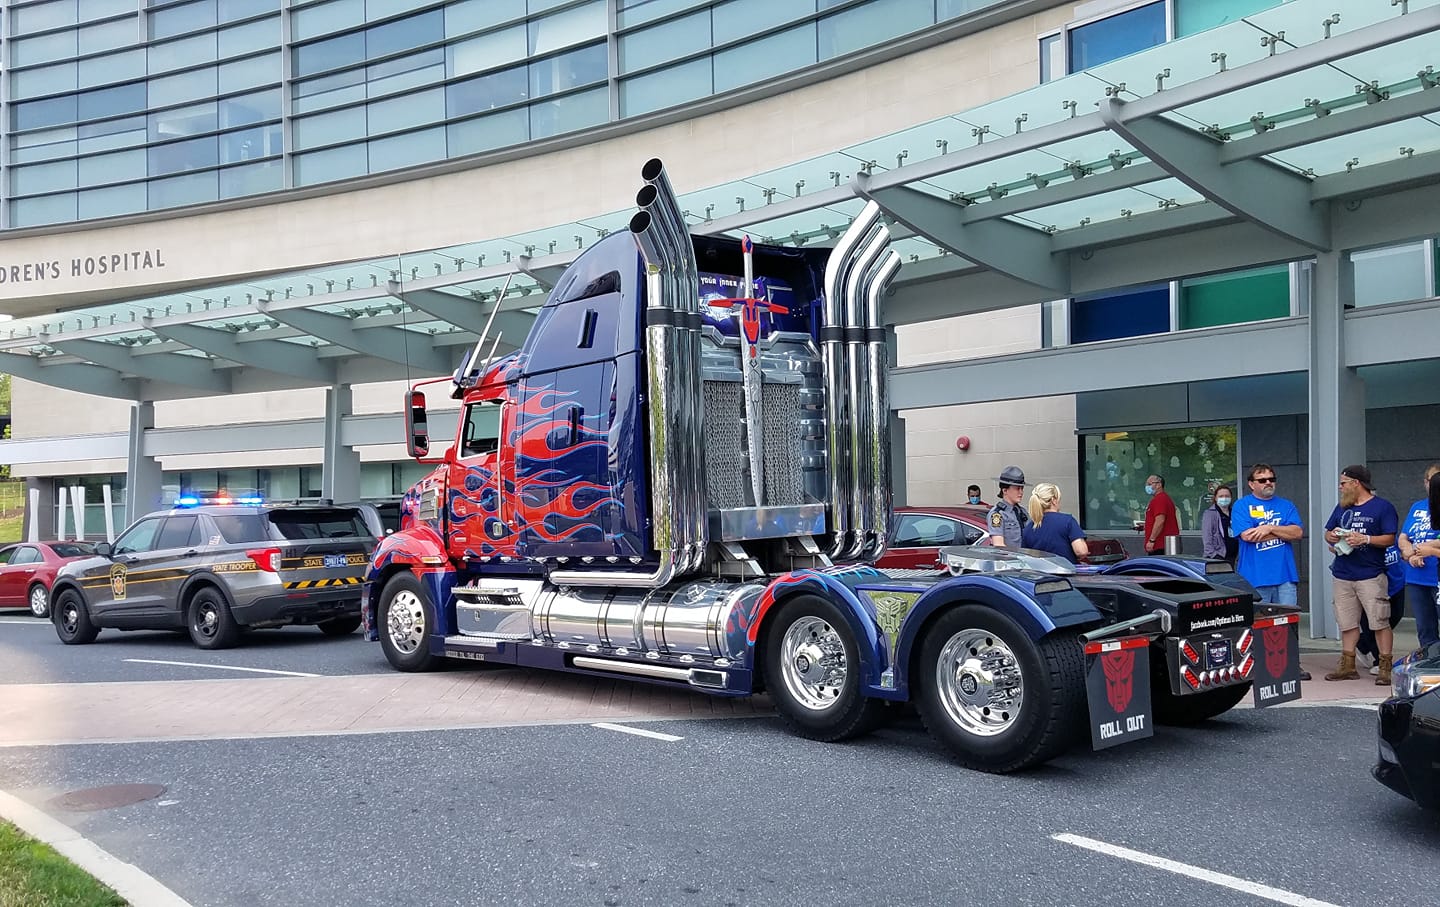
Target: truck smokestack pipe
[
  {"x": 689, "y": 425},
  {"x": 832, "y": 337},
  {"x": 862, "y": 485},
  {"x": 876, "y": 449}
]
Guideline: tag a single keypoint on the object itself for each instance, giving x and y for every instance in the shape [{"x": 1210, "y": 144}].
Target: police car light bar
[{"x": 191, "y": 500}]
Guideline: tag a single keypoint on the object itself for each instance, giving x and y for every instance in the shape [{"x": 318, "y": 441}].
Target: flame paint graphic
[{"x": 540, "y": 487}]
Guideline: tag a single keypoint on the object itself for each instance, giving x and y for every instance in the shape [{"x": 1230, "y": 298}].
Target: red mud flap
[
  {"x": 1117, "y": 684},
  {"x": 1277, "y": 656}
]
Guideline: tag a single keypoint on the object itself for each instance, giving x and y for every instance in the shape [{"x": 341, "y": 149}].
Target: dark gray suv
[{"x": 214, "y": 569}]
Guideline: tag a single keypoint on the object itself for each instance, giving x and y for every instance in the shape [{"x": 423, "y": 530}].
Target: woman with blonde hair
[{"x": 1050, "y": 530}]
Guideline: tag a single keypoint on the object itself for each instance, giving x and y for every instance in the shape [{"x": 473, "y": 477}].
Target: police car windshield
[{"x": 317, "y": 523}]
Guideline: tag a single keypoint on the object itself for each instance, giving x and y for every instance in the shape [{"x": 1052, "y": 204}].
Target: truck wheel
[
  {"x": 996, "y": 699},
  {"x": 72, "y": 620},
  {"x": 211, "y": 624},
  {"x": 339, "y": 626},
  {"x": 406, "y": 619},
  {"x": 813, "y": 668},
  {"x": 39, "y": 599},
  {"x": 1182, "y": 711}
]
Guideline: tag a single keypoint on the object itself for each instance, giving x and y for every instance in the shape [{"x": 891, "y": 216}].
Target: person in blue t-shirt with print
[
  {"x": 1421, "y": 574},
  {"x": 1367, "y": 650},
  {"x": 1049, "y": 529},
  {"x": 1265, "y": 525},
  {"x": 1359, "y": 530}
]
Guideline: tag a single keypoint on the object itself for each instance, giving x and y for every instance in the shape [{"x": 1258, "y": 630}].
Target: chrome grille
[
  {"x": 784, "y": 439},
  {"x": 724, "y": 444}
]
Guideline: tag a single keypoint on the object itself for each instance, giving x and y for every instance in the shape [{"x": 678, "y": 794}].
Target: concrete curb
[{"x": 134, "y": 885}]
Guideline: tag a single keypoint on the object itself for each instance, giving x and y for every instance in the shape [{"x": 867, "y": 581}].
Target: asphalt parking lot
[{"x": 719, "y": 811}]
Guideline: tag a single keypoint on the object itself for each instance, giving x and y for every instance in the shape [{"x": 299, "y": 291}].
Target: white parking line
[
  {"x": 191, "y": 664},
  {"x": 1278, "y": 895},
  {"x": 653, "y": 735},
  {"x": 32, "y": 622}
]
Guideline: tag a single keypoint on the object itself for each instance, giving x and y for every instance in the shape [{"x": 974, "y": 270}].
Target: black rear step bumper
[{"x": 309, "y": 607}]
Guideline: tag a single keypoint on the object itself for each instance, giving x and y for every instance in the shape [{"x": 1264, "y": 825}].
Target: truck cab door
[{"x": 475, "y": 509}]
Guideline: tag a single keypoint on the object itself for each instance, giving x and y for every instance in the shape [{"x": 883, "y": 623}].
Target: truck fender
[
  {"x": 420, "y": 550},
  {"x": 1216, "y": 573},
  {"x": 1038, "y": 616},
  {"x": 834, "y": 585}
]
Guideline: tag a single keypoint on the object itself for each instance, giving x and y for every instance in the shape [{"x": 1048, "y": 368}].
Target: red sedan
[
  {"x": 920, "y": 533},
  {"x": 27, "y": 570}
]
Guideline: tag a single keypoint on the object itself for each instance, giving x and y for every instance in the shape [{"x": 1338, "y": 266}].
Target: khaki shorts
[{"x": 1352, "y": 595}]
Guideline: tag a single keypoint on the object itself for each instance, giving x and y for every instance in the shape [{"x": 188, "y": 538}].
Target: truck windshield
[{"x": 318, "y": 523}]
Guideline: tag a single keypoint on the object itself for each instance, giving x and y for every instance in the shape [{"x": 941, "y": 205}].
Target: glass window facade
[
  {"x": 311, "y": 91},
  {"x": 1194, "y": 460}
]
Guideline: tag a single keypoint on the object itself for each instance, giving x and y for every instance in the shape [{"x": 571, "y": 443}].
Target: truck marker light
[
  {"x": 267, "y": 559},
  {"x": 1246, "y": 639},
  {"x": 1190, "y": 652},
  {"x": 1247, "y": 666},
  {"x": 1189, "y": 677}
]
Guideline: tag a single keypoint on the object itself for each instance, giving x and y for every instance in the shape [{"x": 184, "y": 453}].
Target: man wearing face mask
[
  {"x": 1007, "y": 518},
  {"x": 1161, "y": 521},
  {"x": 972, "y": 494}
]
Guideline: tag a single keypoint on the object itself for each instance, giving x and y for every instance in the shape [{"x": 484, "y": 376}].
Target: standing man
[
  {"x": 1421, "y": 577},
  {"x": 1265, "y": 524},
  {"x": 1161, "y": 521},
  {"x": 1007, "y": 517},
  {"x": 1359, "y": 530},
  {"x": 972, "y": 494}
]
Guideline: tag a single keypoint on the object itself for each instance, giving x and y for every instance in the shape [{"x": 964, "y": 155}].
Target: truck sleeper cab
[{"x": 681, "y": 477}]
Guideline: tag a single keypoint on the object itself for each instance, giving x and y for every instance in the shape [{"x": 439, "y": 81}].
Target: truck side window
[{"x": 482, "y": 429}]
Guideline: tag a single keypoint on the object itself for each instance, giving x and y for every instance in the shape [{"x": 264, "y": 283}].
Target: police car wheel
[
  {"x": 996, "y": 699},
  {"x": 339, "y": 626},
  {"x": 812, "y": 670},
  {"x": 72, "y": 620},
  {"x": 1182, "y": 711},
  {"x": 211, "y": 624},
  {"x": 406, "y": 618}
]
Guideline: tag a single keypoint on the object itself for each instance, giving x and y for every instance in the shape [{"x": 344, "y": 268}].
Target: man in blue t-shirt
[
  {"x": 1264, "y": 524},
  {"x": 1359, "y": 530},
  {"x": 1421, "y": 576}
]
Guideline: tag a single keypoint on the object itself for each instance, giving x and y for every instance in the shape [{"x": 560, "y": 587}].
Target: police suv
[{"x": 214, "y": 566}]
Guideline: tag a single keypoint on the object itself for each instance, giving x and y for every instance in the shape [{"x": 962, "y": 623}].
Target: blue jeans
[
  {"x": 1420, "y": 602},
  {"x": 1282, "y": 594}
]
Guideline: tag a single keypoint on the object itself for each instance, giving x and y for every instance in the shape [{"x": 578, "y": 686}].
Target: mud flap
[
  {"x": 1117, "y": 685},
  {"x": 1277, "y": 654}
]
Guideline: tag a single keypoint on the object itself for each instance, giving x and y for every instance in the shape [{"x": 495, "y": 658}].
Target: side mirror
[
  {"x": 103, "y": 549},
  {"x": 417, "y": 430}
]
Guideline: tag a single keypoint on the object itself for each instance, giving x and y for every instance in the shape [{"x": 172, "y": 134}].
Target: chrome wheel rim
[
  {"x": 70, "y": 618},
  {"x": 980, "y": 683},
  {"x": 207, "y": 620},
  {"x": 405, "y": 621},
  {"x": 38, "y": 601},
  {"x": 813, "y": 666}
]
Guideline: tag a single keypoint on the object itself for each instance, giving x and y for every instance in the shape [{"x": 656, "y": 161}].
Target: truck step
[{"x": 708, "y": 678}]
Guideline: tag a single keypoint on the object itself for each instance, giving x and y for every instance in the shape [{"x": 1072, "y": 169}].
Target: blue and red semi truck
[{"x": 681, "y": 477}]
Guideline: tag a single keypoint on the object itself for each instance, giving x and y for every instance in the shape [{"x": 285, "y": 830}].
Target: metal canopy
[{"x": 1264, "y": 121}]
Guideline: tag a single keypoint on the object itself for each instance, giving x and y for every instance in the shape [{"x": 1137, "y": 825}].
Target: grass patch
[
  {"x": 11, "y": 526},
  {"x": 34, "y": 875}
]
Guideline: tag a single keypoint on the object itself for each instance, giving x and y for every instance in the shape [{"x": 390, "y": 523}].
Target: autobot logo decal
[
  {"x": 117, "y": 581},
  {"x": 1119, "y": 677},
  {"x": 1277, "y": 649}
]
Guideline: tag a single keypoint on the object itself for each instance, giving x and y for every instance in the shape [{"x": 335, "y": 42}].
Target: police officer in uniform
[{"x": 1008, "y": 518}]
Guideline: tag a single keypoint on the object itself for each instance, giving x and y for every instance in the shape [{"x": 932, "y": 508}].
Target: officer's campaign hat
[{"x": 1012, "y": 475}]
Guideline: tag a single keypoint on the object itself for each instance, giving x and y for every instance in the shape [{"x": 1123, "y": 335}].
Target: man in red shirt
[{"x": 1160, "y": 518}]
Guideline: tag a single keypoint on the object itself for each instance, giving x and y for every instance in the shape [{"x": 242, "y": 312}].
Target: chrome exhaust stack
[
  {"x": 833, "y": 350},
  {"x": 859, "y": 430},
  {"x": 877, "y": 447},
  {"x": 691, "y": 392},
  {"x": 660, "y": 370}
]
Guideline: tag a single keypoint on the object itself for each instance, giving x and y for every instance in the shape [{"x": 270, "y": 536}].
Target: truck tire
[
  {"x": 339, "y": 626},
  {"x": 406, "y": 618},
  {"x": 72, "y": 620},
  {"x": 210, "y": 622},
  {"x": 1182, "y": 711},
  {"x": 1033, "y": 713},
  {"x": 812, "y": 669}
]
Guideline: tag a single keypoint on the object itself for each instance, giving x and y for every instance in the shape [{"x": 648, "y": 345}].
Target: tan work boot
[
  {"x": 1387, "y": 663},
  {"x": 1346, "y": 671}
]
